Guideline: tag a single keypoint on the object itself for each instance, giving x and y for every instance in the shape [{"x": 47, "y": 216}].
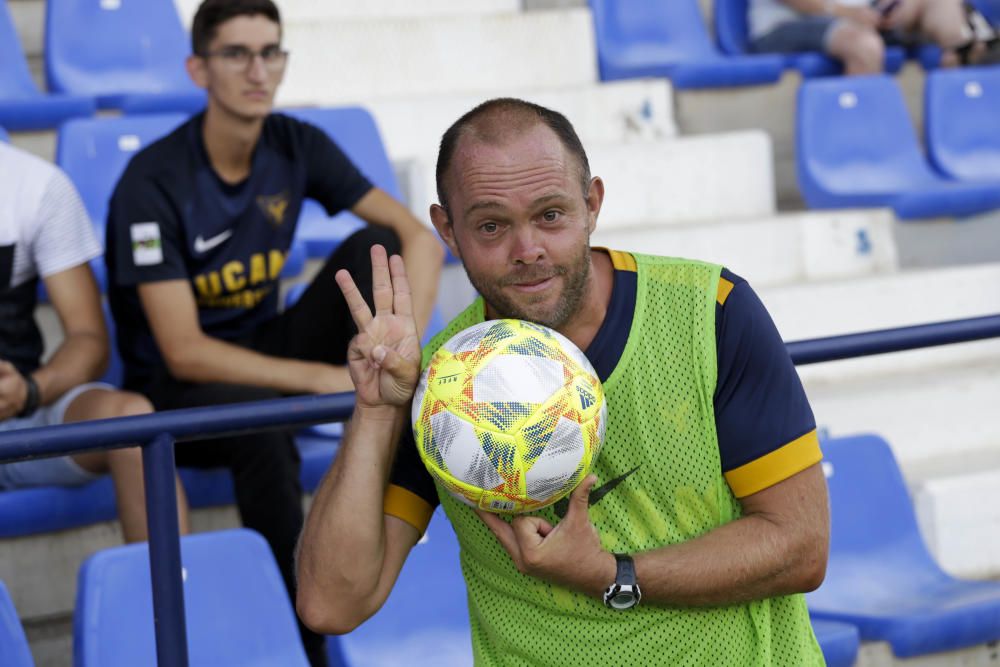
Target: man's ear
[
  {"x": 595, "y": 198},
  {"x": 446, "y": 230},
  {"x": 197, "y": 69}
]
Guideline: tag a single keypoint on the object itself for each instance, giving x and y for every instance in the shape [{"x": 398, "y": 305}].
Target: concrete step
[
  {"x": 318, "y": 10},
  {"x": 359, "y": 60},
  {"x": 614, "y": 112},
  {"x": 778, "y": 250},
  {"x": 887, "y": 301},
  {"x": 685, "y": 180}
]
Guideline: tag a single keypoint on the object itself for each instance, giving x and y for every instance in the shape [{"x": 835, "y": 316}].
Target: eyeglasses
[{"x": 240, "y": 58}]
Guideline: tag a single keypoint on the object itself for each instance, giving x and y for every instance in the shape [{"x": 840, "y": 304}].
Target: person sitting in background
[
  {"x": 198, "y": 230},
  {"x": 856, "y": 32},
  {"x": 45, "y": 232}
]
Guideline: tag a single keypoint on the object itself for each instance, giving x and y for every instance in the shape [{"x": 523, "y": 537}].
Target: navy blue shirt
[
  {"x": 760, "y": 405},
  {"x": 172, "y": 218}
]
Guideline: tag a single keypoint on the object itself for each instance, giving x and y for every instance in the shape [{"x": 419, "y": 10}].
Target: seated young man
[
  {"x": 856, "y": 32},
  {"x": 199, "y": 227},
  {"x": 45, "y": 232}
]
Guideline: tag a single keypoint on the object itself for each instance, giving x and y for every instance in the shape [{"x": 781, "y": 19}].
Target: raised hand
[{"x": 384, "y": 358}]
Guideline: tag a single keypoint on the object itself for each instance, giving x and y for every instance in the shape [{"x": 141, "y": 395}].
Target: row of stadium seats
[
  {"x": 882, "y": 586},
  {"x": 857, "y": 146}
]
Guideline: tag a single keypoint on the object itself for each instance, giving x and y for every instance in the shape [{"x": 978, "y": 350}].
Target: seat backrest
[
  {"x": 425, "y": 620},
  {"x": 95, "y": 151},
  {"x": 355, "y": 131},
  {"x": 238, "y": 611},
  {"x": 854, "y": 136},
  {"x": 15, "y": 78},
  {"x": 675, "y": 30},
  {"x": 871, "y": 514},
  {"x": 962, "y": 123},
  {"x": 14, "y": 651},
  {"x": 732, "y": 29},
  {"x": 114, "y": 46}
]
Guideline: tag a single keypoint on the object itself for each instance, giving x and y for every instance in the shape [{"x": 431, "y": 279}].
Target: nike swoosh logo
[
  {"x": 204, "y": 245},
  {"x": 562, "y": 506}
]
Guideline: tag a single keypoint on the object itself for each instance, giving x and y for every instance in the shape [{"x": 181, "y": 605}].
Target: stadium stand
[
  {"x": 425, "y": 620},
  {"x": 881, "y": 577},
  {"x": 354, "y": 130},
  {"x": 857, "y": 147},
  {"x": 485, "y": 53},
  {"x": 238, "y": 612},
  {"x": 643, "y": 39},
  {"x": 95, "y": 151},
  {"x": 129, "y": 55},
  {"x": 313, "y": 10},
  {"x": 22, "y": 106},
  {"x": 732, "y": 32},
  {"x": 839, "y": 642},
  {"x": 961, "y": 123},
  {"x": 14, "y": 651}
]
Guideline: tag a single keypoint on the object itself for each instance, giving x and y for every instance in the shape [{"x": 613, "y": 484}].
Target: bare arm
[
  {"x": 778, "y": 547},
  {"x": 83, "y": 354},
  {"x": 350, "y": 552},
  {"x": 422, "y": 252},
  {"x": 193, "y": 356}
]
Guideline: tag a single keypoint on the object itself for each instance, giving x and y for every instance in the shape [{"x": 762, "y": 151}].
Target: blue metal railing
[{"x": 158, "y": 432}]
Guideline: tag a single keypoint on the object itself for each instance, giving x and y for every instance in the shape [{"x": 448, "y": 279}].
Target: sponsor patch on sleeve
[{"x": 147, "y": 248}]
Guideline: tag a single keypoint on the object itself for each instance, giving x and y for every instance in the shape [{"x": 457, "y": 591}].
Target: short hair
[
  {"x": 508, "y": 108},
  {"x": 213, "y": 13}
]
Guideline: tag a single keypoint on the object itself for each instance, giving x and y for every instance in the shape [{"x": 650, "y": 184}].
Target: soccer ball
[{"x": 509, "y": 416}]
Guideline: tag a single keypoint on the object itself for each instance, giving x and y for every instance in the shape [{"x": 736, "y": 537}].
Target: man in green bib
[{"x": 706, "y": 516}]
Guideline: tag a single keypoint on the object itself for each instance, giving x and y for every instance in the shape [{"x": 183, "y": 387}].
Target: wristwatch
[
  {"x": 624, "y": 593},
  {"x": 31, "y": 398}
]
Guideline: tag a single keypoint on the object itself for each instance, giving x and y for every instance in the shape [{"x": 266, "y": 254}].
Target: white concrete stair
[{"x": 359, "y": 60}]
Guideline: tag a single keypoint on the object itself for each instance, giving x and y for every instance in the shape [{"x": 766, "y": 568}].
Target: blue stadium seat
[
  {"x": 129, "y": 55},
  {"x": 238, "y": 612},
  {"x": 425, "y": 621},
  {"x": 355, "y": 131},
  {"x": 638, "y": 38},
  {"x": 962, "y": 123},
  {"x": 838, "y": 641},
  {"x": 990, "y": 9},
  {"x": 95, "y": 151},
  {"x": 857, "y": 148},
  {"x": 880, "y": 576},
  {"x": 733, "y": 34},
  {"x": 22, "y": 106},
  {"x": 3, "y": 135},
  {"x": 14, "y": 651}
]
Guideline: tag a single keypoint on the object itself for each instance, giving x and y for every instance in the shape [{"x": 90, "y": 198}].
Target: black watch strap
[
  {"x": 32, "y": 398},
  {"x": 626, "y": 570}
]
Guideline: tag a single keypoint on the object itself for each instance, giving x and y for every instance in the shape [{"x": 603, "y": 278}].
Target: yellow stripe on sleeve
[
  {"x": 725, "y": 287},
  {"x": 623, "y": 261},
  {"x": 408, "y": 506},
  {"x": 776, "y": 466}
]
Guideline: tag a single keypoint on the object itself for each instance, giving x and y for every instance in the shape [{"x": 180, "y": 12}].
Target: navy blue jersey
[
  {"x": 172, "y": 218},
  {"x": 764, "y": 423}
]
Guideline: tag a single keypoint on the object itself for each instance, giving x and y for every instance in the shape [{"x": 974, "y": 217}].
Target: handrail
[{"x": 157, "y": 433}]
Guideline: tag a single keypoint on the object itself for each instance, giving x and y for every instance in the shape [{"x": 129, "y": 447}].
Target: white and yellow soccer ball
[{"x": 509, "y": 416}]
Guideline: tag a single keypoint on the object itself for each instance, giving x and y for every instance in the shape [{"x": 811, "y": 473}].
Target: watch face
[{"x": 623, "y": 600}]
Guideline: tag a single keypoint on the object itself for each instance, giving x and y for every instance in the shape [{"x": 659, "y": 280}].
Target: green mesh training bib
[{"x": 661, "y": 425}]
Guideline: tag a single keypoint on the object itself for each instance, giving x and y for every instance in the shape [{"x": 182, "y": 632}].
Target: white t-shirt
[
  {"x": 766, "y": 15},
  {"x": 42, "y": 217}
]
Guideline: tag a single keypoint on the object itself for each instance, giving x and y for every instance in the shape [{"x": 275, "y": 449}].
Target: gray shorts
[
  {"x": 58, "y": 471},
  {"x": 809, "y": 33}
]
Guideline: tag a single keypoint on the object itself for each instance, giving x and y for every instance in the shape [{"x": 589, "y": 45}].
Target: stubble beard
[{"x": 575, "y": 276}]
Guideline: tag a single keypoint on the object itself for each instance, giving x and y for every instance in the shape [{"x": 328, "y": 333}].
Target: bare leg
[
  {"x": 941, "y": 22},
  {"x": 125, "y": 465},
  {"x": 859, "y": 47}
]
